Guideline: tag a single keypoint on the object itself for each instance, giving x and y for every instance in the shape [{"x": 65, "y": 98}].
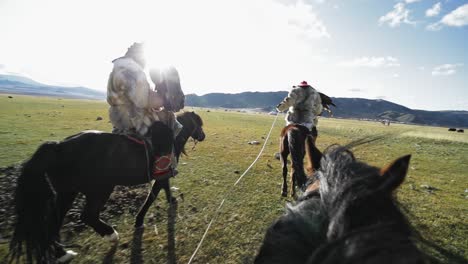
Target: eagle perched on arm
[{"x": 326, "y": 102}]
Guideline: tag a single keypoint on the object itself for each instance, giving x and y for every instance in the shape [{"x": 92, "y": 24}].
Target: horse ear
[{"x": 394, "y": 174}]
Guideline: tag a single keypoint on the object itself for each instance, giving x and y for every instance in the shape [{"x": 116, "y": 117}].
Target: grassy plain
[{"x": 440, "y": 160}]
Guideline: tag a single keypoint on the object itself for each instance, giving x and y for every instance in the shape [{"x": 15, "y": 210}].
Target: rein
[{"x": 216, "y": 213}]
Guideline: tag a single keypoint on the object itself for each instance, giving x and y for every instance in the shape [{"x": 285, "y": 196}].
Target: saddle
[{"x": 161, "y": 167}]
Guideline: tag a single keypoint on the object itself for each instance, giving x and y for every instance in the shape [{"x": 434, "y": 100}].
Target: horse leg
[
  {"x": 170, "y": 199},
  {"x": 94, "y": 203},
  {"x": 284, "y": 162},
  {"x": 64, "y": 203},
  {"x": 149, "y": 201},
  {"x": 293, "y": 182}
]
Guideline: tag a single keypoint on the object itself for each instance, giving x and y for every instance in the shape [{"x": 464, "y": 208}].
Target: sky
[{"x": 410, "y": 52}]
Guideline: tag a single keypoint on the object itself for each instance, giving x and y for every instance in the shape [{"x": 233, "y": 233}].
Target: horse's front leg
[
  {"x": 149, "y": 201},
  {"x": 95, "y": 201},
  {"x": 167, "y": 188}
]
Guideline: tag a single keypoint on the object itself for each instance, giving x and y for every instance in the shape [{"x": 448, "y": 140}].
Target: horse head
[
  {"x": 167, "y": 82},
  {"x": 355, "y": 193},
  {"x": 197, "y": 130}
]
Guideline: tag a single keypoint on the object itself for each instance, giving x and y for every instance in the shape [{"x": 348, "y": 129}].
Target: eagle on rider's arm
[{"x": 326, "y": 102}]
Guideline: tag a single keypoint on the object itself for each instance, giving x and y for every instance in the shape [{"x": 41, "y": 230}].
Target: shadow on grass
[
  {"x": 171, "y": 220},
  {"x": 136, "y": 250},
  {"x": 109, "y": 257},
  {"x": 449, "y": 256}
]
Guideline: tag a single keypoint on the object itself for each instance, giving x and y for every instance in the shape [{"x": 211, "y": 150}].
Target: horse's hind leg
[
  {"x": 94, "y": 203},
  {"x": 149, "y": 201},
  {"x": 284, "y": 162},
  {"x": 293, "y": 182},
  {"x": 64, "y": 203}
]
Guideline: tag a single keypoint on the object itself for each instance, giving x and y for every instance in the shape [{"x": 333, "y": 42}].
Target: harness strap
[{"x": 138, "y": 141}]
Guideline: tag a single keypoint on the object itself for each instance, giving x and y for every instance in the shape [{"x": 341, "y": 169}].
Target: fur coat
[
  {"x": 304, "y": 105},
  {"x": 130, "y": 98}
]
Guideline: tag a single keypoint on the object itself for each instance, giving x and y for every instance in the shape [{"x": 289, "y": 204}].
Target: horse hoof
[
  {"x": 114, "y": 237},
  {"x": 69, "y": 255},
  {"x": 284, "y": 194}
]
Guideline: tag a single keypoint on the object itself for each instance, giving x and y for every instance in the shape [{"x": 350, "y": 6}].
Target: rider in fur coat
[
  {"x": 134, "y": 106},
  {"x": 304, "y": 104}
]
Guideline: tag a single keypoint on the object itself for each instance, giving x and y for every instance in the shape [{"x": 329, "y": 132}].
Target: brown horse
[{"x": 298, "y": 141}]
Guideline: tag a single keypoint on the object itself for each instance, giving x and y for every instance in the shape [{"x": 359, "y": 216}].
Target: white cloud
[
  {"x": 411, "y": 1},
  {"x": 446, "y": 69},
  {"x": 396, "y": 75},
  {"x": 456, "y": 18},
  {"x": 305, "y": 20},
  {"x": 398, "y": 15},
  {"x": 371, "y": 62},
  {"x": 434, "y": 10}
]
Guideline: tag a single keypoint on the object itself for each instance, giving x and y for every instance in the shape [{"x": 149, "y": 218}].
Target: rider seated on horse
[
  {"x": 304, "y": 104},
  {"x": 134, "y": 106}
]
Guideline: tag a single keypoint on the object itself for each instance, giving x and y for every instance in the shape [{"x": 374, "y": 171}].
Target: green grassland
[{"x": 440, "y": 160}]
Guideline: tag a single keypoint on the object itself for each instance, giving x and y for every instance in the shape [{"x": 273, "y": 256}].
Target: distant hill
[
  {"x": 14, "y": 84},
  {"x": 357, "y": 108}
]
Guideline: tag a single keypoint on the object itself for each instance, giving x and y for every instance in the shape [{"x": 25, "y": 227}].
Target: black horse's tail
[
  {"x": 296, "y": 139},
  {"x": 34, "y": 206}
]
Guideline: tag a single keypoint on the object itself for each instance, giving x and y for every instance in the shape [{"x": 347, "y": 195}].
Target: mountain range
[
  {"x": 357, "y": 108},
  {"x": 15, "y": 84}
]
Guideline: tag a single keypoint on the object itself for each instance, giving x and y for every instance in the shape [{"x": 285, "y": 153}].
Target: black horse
[
  {"x": 92, "y": 163},
  {"x": 355, "y": 220},
  {"x": 192, "y": 127},
  {"x": 298, "y": 141}
]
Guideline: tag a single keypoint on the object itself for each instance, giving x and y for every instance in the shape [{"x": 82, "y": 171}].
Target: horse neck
[{"x": 184, "y": 134}]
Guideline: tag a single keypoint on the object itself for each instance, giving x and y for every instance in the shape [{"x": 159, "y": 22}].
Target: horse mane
[{"x": 353, "y": 221}]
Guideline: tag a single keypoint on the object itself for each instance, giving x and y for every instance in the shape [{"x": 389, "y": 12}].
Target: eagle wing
[{"x": 326, "y": 100}]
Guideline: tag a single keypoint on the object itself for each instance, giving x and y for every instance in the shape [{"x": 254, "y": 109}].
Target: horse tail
[
  {"x": 313, "y": 155},
  {"x": 34, "y": 203},
  {"x": 296, "y": 149}
]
